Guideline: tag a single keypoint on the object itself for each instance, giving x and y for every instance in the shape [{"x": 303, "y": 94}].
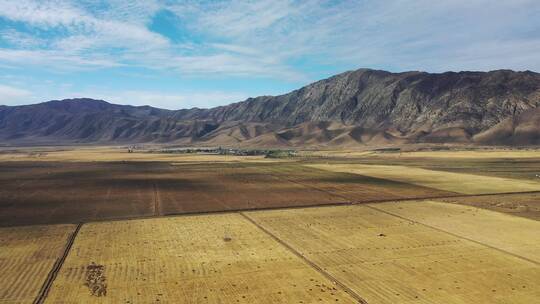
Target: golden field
[
  {"x": 192, "y": 259},
  {"x": 512, "y": 234},
  {"x": 462, "y": 183},
  {"x": 454, "y": 153},
  {"x": 387, "y": 259},
  {"x": 116, "y": 154},
  {"x": 519, "y": 204},
  {"x": 27, "y": 255},
  {"x": 464, "y": 154},
  {"x": 133, "y": 246}
]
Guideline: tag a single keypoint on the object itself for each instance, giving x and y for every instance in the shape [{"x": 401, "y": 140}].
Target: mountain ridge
[{"x": 361, "y": 107}]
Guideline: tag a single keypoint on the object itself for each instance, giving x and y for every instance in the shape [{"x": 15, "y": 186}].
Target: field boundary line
[
  {"x": 157, "y": 203},
  {"x": 455, "y": 235},
  {"x": 269, "y": 172},
  {"x": 44, "y": 291},
  {"x": 353, "y": 201},
  {"x": 315, "y": 205},
  {"x": 313, "y": 265}
]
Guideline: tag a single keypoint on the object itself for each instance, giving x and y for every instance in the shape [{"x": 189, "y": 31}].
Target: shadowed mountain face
[{"x": 349, "y": 109}]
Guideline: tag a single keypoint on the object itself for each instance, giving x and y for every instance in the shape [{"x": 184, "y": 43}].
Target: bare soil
[{"x": 73, "y": 192}]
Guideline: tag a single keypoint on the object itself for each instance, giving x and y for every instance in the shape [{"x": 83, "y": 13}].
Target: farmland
[
  {"x": 512, "y": 234},
  {"x": 194, "y": 259},
  {"x": 27, "y": 256},
  {"x": 101, "y": 225},
  {"x": 463, "y": 183},
  {"x": 519, "y": 204},
  {"x": 49, "y": 192},
  {"x": 389, "y": 259}
]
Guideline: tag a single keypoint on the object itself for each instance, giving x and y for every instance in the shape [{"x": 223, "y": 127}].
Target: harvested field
[
  {"x": 52, "y": 192},
  {"x": 218, "y": 187},
  {"x": 189, "y": 259},
  {"x": 27, "y": 256},
  {"x": 468, "y": 154},
  {"x": 515, "y": 235},
  {"x": 352, "y": 187},
  {"x": 387, "y": 259},
  {"x": 447, "y": 181},
  {"x": 455, "y": 153},
  {"x": 45, "y": 193},
  {"x": 512, "y": 166},
  {"x": 115, "y": 154},
  {"x": 72, "y": 192},
  {"x": 519, "y": 204}
]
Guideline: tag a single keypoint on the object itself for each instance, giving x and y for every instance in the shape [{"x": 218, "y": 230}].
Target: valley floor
[{"x": 102, "y": 225}]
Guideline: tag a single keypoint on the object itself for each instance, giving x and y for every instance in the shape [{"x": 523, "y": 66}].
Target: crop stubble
[
  {"x": 189, "y": 259},
  {"x": 27, "y": 256},
  {"x": 387, "y": 259}
]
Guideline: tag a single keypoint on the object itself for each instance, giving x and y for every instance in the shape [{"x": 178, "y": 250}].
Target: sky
[{"x": 183, "y": 54}]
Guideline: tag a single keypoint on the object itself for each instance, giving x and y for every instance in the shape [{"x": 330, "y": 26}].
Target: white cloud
[
  {"x": 20, "y": 39},
  {"x": 176, "y": 101},
  {"x": 280, "y": 39},
  {"x": 11, "y": 95},
  {"x": 164, "y": 100},
  {"x": 118, "y": 35},
  {"x": 57, "y": 60},
  {"x": 83, "y": 36},
  {"x": 395, "y": 34}
]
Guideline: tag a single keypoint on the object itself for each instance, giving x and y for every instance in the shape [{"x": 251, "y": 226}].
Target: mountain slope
[
  {"x": 362, "y": 107},
  {"x": 88, "y": 120}
]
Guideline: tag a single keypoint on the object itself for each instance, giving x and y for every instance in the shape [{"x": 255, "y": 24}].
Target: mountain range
[{"x": 355, "y": 108}]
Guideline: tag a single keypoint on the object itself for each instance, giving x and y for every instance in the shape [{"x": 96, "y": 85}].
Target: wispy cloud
[
  {"x": 11, "y": 95},
  {"x": 266, "y": 36},
  {"x": 173, "y": 101},
  {"x": 282, "y": 40},
  {"x": 57, "y": 60},
  {"x": 179, "y": 100}
]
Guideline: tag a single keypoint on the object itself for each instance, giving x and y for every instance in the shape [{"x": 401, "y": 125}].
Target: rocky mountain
[{"x": 359, "y": 107}]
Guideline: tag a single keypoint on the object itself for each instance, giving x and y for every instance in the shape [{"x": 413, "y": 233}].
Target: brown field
[
  {"x": 192, "y": 188},
  {"x": 447, "y": 181},
  {"x": 442, "y": 249},
  {"x": 72, "y": 192},
  {"x": 513, "y": 164},
  {"x": 519, "y": 204},
  {"x": 453, "y": 154},
  {"x": 190, "y": 259},
  {"x": 356, "y": 188},
  {"x": 60, "y": 192},
  {"x": 387, "y": 259},
  {"x": 27, "y": 255}
]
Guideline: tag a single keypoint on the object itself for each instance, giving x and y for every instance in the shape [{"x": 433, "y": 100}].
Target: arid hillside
[{"x": 362, "y": 107}]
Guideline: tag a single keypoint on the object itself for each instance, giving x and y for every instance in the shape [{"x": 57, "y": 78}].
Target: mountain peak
[{"x": 356, "y": 107}]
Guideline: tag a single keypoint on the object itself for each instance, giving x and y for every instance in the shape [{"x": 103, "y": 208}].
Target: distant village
[{"x": 268, "y": 153}]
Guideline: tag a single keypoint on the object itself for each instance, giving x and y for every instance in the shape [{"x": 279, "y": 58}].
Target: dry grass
[
  {"x": 449, "y": 154},
  {"x": 108, "y": 154},
  {"x": 475, "y": 154},
  {"x": 193, "y": 259},
  {"x": 519, "y": 204},
  {"x": 386, "y": 259},
  {"x": 448, "y": 181},
  {"x": 516, "y": 235},
  {"x": 27, "y": 255}
]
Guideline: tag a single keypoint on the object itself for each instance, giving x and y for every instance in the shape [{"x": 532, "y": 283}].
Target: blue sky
[{"x": 181, "y": 54}]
